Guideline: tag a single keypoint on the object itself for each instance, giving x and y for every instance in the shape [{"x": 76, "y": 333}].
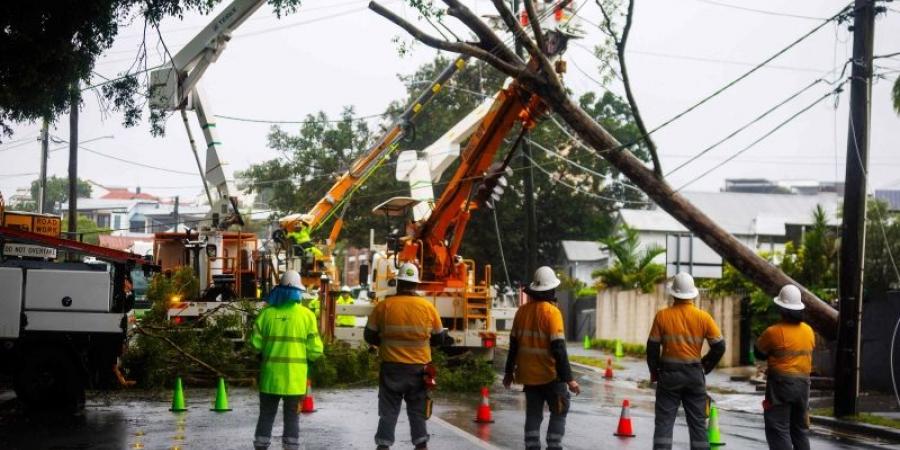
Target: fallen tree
[{"x": 539, "y": 76}]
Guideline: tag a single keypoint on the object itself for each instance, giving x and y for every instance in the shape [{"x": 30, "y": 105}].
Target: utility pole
[
  {"x": 528, "y": 174},
  {"x": 853, "y": 231},
  {"x": 73, "y": 161},
  {"x": 45, "y": 151},
  {"x": 175, "y": 213}
]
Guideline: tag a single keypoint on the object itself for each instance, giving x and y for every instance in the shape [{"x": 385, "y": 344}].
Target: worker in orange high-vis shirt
[
  {"x": 787, "y": 348},
  {"x": 404, "y": 327},
  {"x": 537, "y": 359},
  {"x": 673, "y": 356}
]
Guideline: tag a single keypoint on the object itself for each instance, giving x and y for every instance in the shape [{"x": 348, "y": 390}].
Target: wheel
[{"x": 49, "y": 379}]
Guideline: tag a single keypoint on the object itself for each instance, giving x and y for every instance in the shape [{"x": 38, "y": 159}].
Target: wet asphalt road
[{"x": 346, "y": 419}]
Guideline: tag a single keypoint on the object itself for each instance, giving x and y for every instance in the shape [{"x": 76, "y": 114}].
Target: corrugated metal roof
[
  {"x": 741, "y": 213},
  {"x": 584, "y": 251}
]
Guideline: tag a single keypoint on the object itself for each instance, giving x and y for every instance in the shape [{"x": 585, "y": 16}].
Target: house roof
[
  {"x": 741, "y": 213},
  {"x": 117, "y": 193},
  {"x": 584, "y": 251}
]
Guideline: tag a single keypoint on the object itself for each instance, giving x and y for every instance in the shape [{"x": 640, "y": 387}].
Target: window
[
  {"x": 136, "y": 226},
  {"x": 103, "y": 220},
  {"x": 117, "y": 222}
]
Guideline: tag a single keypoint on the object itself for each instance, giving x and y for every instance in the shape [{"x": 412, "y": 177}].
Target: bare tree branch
[
  {"x": 535, "y": 23},
  {"x": 440, "y": 44},
  {"x": 620, "y": 43},
  {"x": 489, "y": 40},
  {"x": 182, "y": 351}
]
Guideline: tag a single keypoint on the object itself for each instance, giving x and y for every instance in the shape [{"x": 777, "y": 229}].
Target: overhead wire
[
  {"x": 835, "y": 91},
  {"x": 761, "y": 11}
]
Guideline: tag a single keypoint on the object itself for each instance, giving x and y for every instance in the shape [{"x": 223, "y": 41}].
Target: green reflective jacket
[
  {"x": 345, "y": 321},
  {"x": 314, "y": 305},
  {"x": 287, "y": 337},
  {"x": 300, "y": 236}
]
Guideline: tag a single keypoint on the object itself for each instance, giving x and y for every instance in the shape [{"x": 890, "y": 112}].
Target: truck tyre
[{"x": 49, "y": 380}]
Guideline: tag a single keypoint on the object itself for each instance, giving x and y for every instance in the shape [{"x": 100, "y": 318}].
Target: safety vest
[
  {"x": 300, "y": 236},
  {"x": 287, "y": 337},
  {"x": 345, "y": 321},
  {"x": 681, "y": 328},
  {"x": 536, "y": 324},
  {"x": 789, "y": 348},
  {"x": 405, "y": 324},
  {"x": 314, "y": 305}
]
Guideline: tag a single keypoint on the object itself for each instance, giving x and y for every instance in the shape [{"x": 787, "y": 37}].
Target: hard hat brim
[
  {"x": 541, "y": 288},
  {"x": 791, "y": 306},
  {"x": 689, "y": 295}
]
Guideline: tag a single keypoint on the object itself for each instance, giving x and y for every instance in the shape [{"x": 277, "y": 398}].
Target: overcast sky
[{"x": 335, "y": 53}]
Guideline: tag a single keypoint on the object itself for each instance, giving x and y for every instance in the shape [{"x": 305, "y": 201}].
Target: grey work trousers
[
  {"x": 786, "y": 412},
  {"x": 268, "y": 407},
  {"x": 399, "y": 382},
  {"x": 680, "y": 384},
  {"x": 556, "y": 396}
]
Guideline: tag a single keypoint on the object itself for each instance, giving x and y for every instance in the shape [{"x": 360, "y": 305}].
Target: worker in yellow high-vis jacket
[
  {"x": 673, "y": 356},
  {"x": 286, "y": 335},
  {"x": 345, "y": 299},
  {"x": 404, "y": 327},
  {"x": 787, "y": 348}
]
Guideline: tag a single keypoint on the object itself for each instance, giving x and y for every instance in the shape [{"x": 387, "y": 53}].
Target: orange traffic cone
[
  {"x": 609, "y": 371},
  {"x": 309, "y": 404},
  {"x": 484, "y": 409},
  {"x": 625, "y": 429}
]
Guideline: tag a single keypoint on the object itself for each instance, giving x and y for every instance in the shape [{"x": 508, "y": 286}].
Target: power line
[
  {"x": 835, "y": 91},
  {"x": 580, "y": 190},
  {"x": 761, "y": 11},
  {"x": 745, "y": 126},
  {"x": 300, "y": 122},
  {"x": 126, "y": 161}
]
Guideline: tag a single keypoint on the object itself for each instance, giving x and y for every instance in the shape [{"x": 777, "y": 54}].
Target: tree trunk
[{"x": 819, "y": 314}]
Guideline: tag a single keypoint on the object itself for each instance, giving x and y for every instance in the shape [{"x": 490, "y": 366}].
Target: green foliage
[
  {"x": 57, "y": 193},
  {"x": 882, "y": 249},
  {"x": 463, "y": 373},
  {"x": 814, "y": 263},
  {"x": 344, "y": 366},
  {"x": 633, "y": 268},
  {"x": 86, "y": 229},
  {"x": 609, "y": 345},
  {"x": 734, "y": 283}
]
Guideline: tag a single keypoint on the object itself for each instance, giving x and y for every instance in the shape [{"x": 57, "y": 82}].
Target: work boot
[
  {"x": 382, "y": 447},
  {"x": 422, "y": 447}
]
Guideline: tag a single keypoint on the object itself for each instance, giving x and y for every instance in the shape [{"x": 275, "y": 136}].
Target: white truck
[{"x": 63, "y": 324}]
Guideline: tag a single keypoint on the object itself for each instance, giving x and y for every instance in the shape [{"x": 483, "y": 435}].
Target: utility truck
[{"x": 62, "y": 324}]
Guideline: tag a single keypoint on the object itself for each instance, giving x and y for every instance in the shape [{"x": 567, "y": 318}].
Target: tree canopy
[
  {"x": 571, "y": 203},
  {"x": 57, "y": 193}
]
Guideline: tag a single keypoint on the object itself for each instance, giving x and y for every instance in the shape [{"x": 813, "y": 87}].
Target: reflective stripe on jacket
[
  {"x": 287, "y": 338},
  {"x": 789, "y": 348},
  {"x": 405, "y": 324},
  {"x": 345, "y": 321},
  {"x": 535, "y": 325},
  {"x": 681, "y": 329}
]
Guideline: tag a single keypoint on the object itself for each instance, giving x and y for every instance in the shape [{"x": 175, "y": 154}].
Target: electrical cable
[
  {"x": 763, "y": 137},
  {"x": 580, "y": 190},
  {"x": 300, "y": 122},
  {"x": 745, "y": 126},
  {"x": 500, "y": 246},
  {"x": 761, "y": 11}
]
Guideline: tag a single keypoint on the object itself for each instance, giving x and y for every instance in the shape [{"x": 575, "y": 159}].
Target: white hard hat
[
  {"x": 291, "y": 278},
  {"x": 682, "y": 287},
  {"x": 545, "y": 279},
  {"x": 408, "y": 272},
  {"x": 345, "y": 288},
  {"x": 790, "y": 298}
]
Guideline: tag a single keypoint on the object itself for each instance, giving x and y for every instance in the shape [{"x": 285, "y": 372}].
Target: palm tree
[{"x": 632, "y": 269}]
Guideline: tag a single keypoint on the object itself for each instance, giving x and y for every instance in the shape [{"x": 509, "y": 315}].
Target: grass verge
[
  {"x": 866, "y": 418},
  {"x": 599, "y": 363}
]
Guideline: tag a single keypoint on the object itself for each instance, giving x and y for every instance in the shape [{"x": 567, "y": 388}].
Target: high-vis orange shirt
[
  {"x": 535, "y": 325},
  {"x": 405, "y": 324},
  {"x": 681, "y": 328},
  {"x": 789, "y": 347}
]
